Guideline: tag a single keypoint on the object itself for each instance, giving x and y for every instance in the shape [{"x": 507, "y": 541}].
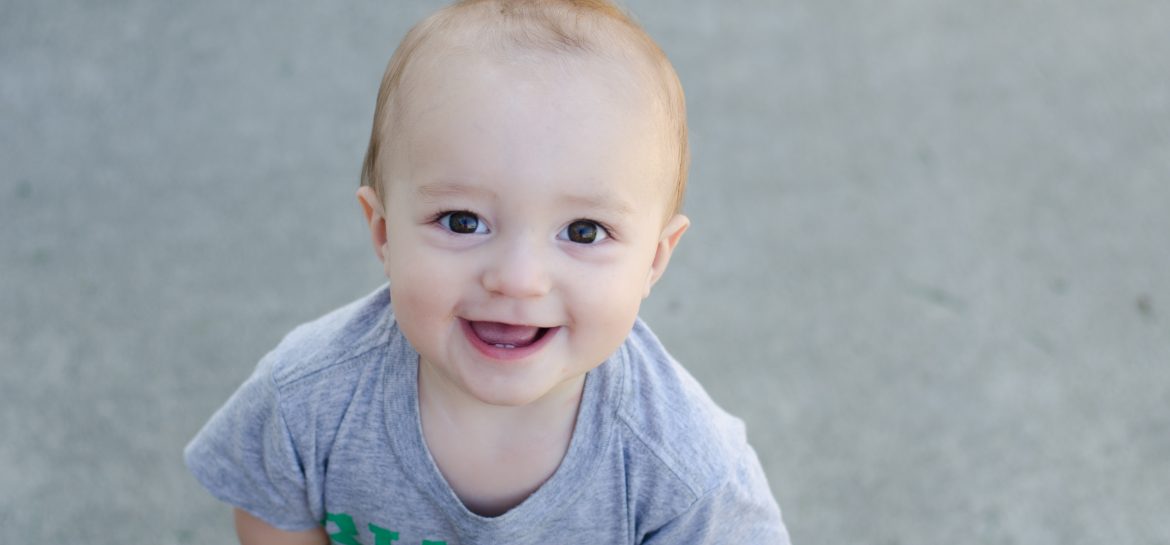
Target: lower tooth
[{"x": 505, "y": 346}]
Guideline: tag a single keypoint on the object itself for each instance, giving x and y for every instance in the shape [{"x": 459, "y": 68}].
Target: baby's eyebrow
[
  {"x": 435, "y": 191},
  {"x": 601, "y": 203},
  {"x": 438, "y": 190}
]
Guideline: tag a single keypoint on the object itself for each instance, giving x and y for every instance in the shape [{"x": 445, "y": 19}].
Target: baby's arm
[
  {"x": 253, "y": 531},
  {"x": 246, "y": 456}
]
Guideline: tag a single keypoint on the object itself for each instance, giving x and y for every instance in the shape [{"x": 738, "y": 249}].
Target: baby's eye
[
  {"x": 462, "y": 222},
  {"x": 584, "y": 232}
]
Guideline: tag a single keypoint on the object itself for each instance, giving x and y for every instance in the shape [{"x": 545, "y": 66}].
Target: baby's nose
[{"x": 518, "y": 270}]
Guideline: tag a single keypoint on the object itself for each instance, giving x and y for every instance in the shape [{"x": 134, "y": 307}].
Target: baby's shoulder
[
  {"x": 330, "y": 343},
  {"x": 672, "y": 422}
]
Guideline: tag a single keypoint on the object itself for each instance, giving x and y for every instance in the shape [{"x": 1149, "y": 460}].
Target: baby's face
[{"x": 524, "y": 209}]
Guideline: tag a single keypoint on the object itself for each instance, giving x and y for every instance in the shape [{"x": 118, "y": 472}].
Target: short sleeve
[
  {"x": 740, "y": 510},
  {"x": 246, "y": 456}
]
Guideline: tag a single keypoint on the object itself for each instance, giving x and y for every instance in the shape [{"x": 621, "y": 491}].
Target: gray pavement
[{"x": 929, "y": 261}]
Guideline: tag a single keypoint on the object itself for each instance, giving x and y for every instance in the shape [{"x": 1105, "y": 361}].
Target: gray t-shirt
[{"x": 326, "y": 431}]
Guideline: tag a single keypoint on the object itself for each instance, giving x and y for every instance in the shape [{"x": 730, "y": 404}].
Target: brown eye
[
  {"x": 584, "y": 232},
  {"x": 462, "y": 222}
]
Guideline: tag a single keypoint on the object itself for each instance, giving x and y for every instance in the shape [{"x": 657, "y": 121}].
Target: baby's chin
[
  {"x": 525, "y": 391},
  {"x": 505, "y": 398}
]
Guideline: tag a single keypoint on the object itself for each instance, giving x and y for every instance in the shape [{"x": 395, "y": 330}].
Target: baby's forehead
[
  {"x": 458, "y": 58},
  {"x": 542, "y": 42},
  {"x": 600, "y": 48},
  {"x": 442, "y": 72},
  {"x": 473, "y": 113}
]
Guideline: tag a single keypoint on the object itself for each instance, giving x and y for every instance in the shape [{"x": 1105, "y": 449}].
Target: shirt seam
[
  {"x": 296, "y": 448},
  {"x": 289, "y": 383},
  {"x": 694, "y": 489}
]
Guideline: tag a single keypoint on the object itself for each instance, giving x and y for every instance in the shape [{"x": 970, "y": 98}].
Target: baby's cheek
[
  {"x": 425, "y": 282},
  {"x": 613, "y": 304},
  {"x": 412, "y": 287},
  {"x": 418, "y": 313}
]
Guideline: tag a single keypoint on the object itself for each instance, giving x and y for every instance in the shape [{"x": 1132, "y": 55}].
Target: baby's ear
[
  {"x": 375, "y": 218},
  {"x": 666, "y": 243}
]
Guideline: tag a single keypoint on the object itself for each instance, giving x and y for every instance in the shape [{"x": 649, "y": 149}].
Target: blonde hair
[{"x": 555, "y": 26}]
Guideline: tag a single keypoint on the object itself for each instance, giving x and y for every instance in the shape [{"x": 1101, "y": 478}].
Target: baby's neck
[{"x": 494, "y": 457}]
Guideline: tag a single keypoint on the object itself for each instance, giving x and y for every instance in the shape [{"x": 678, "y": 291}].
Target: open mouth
[{"x": 506, "y": 341}]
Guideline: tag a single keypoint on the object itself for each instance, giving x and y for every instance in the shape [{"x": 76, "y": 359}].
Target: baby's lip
[
  {"x": 506, "y": 335},
  {"x": 512, "y": 323},
  {"x": 506, "y": 342}
]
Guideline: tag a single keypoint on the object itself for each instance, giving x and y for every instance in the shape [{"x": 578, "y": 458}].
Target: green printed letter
[
  {"x": 383, "y": 536},
  {"x": 346, "y": 533}
]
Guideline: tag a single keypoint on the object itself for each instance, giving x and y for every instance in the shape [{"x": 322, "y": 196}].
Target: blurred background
[{"x": 928, "y": 265}]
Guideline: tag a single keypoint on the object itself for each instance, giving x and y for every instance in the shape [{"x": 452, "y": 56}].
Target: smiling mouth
[
  {"x": 503, "y": 335},
  {"x": 506, "y": 341}
]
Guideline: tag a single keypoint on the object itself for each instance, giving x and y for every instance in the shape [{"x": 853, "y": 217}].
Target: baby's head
[
  {"x": 522, "y": 189},
  {"x": 530, "y": 31}
]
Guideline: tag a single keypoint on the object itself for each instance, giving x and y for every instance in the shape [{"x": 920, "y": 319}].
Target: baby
[{"x": 522, "y": 189}]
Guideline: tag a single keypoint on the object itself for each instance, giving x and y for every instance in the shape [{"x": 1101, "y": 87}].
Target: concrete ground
[{"x": 929, "y": 266}]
